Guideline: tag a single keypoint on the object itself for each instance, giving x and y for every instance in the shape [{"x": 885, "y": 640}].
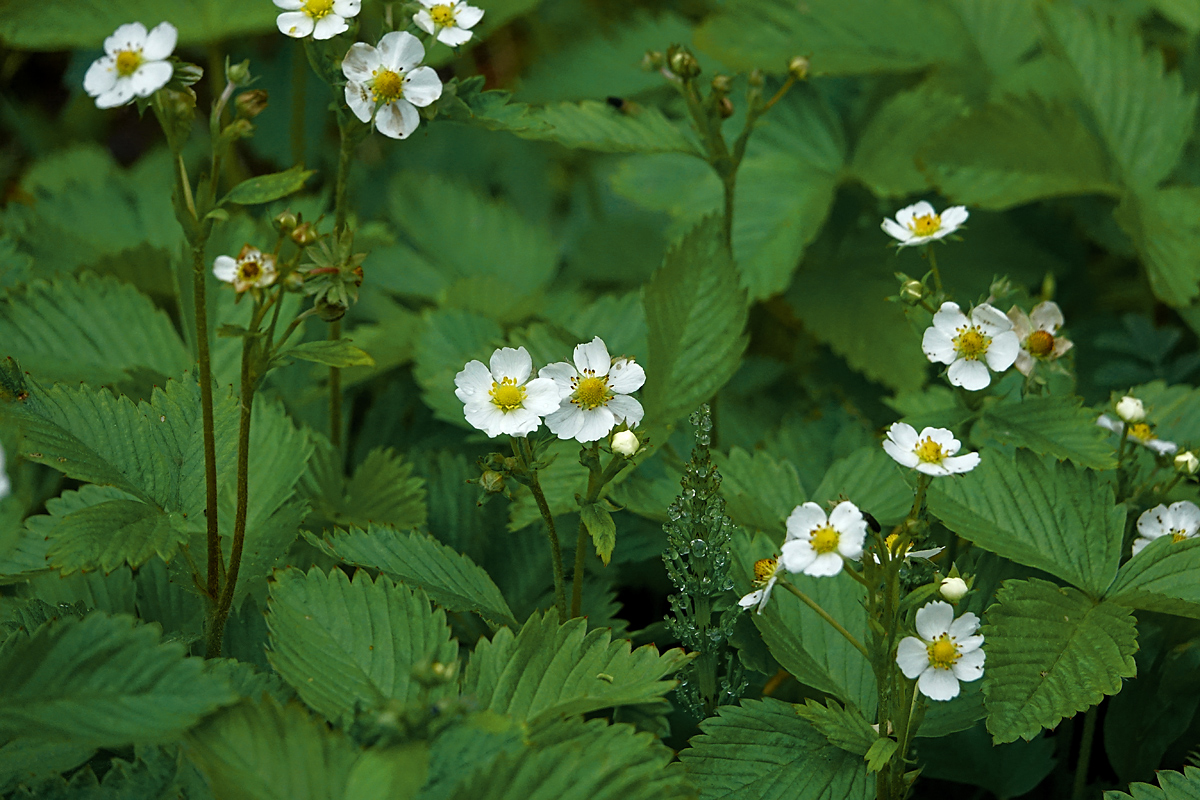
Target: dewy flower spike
[
  {"x": 134, "y": 64},
  {"x": 948, "y": 651},
  {"x": 816, "y": 543},
  {"x": 323, "y": 19},
  {"x": 1037, "y": 334},
  {"x": 252, "y": 269},
  {"x": 919, "y": 223},
  {"x": 766, "y": 574},
  {"x": 1141, "y": 433},
  {"x": 931, "y": 452},
  {"x": 1179, "y": 521},
  {"x": 450, "y": 22},
  {"x": 386, "y": 83},
  {"x": 595, "y": 393},
  {"x": 971, "y": 346},
  {"x": 501, "y": 399}
]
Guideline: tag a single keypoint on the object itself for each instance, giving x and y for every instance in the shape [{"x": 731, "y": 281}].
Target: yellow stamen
[
  {"x": 506, "y": 395},
  {"x": 1141, "y": 431},
  {"x": 1040, "y": 344},
  {"x": 128, "y": 61},
  {"x": 442, "y": 15},
  {"x": 943, "y": 652},
  {"x": 824, "y": 539},
  {"x": 764, "y": 568},
  {"x": 1178, "y": 536},
  {"x": 387, "y": 86},
  {"x": 591, "y": 393},
  {"x": 926, "y": 225},
  {"x": 318, "y": 9},
  {"x": 972, "y": 344},
  {"x": 929, "y": 451}
]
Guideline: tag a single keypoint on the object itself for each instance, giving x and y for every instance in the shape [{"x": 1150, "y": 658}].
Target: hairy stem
[
  {"x": 581, "y": 543},
  {"x": 937, "y": 276},
  {"x": 560, "y": 595},
  {"x": 212, "y": 530}
]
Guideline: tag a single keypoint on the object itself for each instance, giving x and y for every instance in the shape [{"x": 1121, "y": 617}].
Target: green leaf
[
  {"x": 265, "y": 188},
  {"x": 114, "y": 533},
  {"x": 1002, "y": 31},
  {"x": 451, "y": 338},
  {"x": 103, "y": 682},
  {"x": 1162, "y": 577},
  {"x": 27, "y": 558},
  {"x": 153, "y": 774},
  {"x": 696, "y": 315},
  {"x": 88, "y": 329},
  {"x": 881, "y": 752},
  {"x": 341, "y": 643},
  {"x": 943, "y": 719},
  {"x": 549, "y": 670},
  {"x": 1174, "y": 786},
  {"x": 1051, "y": 653},
  {"x": 383, "y": 490},
  {"x": 1052, "y": 516},
  {"x": 1143, "y": 115},
  {"x": 760, "y": 491},
  {"x": 858, "y": 37},
  {"x": 1016, "y": 151},
  {"x": 395, "y": 772},
  {"x": 340, "y": 353},
  {"x": 764, "y": 750},
  {"x": 1007, "y": 770},
  {"x": 451, "y": 580},
  {"x": 872, "y": 481},
  {"x": 601, "y": 528},
  {"x": 262, "y": 751},
  {"x": 1053, "y": 426},
  {"x": 1174, "y": 411},
  {"x": 1164, "y": 227},
  {"x": 844, "y": 727}
]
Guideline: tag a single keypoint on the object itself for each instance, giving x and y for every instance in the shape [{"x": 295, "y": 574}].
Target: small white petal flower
[
  {"x": 1141, "y": 433},
  {"x": 596, "y": 389},
  {"x": 450, "y": 22},
  {"x": 1130, "y": 409},
  {"x": 322, "y": 19},
  {"x": 919, "y": 223},
  {"x": 971, "y": 346},
  {"x": 252, "y": 269},
  {"x": 932, "y": 451},
  {"x": 954, "y": 589},
  {"x": 1036, "y": 333},
  {"x": 1179, "y": 521},
  {"x": 766, "y": 574},
  {"x": 947, "y": 651},
  {"x": 1187, "y": 463},
  {"x": 501, "y": 399},
  {"x": 134, "y": 64},
  {"x": 625, "y": 443},
  {"x": 816, "y": 544},
  {"x": 386, "y": 83}
]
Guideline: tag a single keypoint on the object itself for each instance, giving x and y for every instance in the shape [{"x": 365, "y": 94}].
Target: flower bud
[
  {"x": 725, "y": 108},
  {"x": 304, "y": 234},
  {"x": 286, "y": 221},
  {"x": 625, "y": 443},
  {"x": 953, "y": 589},
  {"x": 238, "y": 74},
  {"x": 1187, "y": 463},
  {"x": 722, "y": 84},
  {"x": 912, "y": 292},
  {"x": 250, "y": 104},
  {"x": 491, "y": 481},
  {"x": 798, "y": 68},
  {"x": 682, "y": 62},
  {"x": 330, "y": 311},
  {"x": 1131, "y": 409},
  {"x": 239, "y": 129}
]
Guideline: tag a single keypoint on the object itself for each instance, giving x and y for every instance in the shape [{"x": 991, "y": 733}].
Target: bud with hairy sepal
[
  {"x": 1187, "y": 463},
  {"x": 682, "y": 62},
  {"x": 1131, "y": 409},
  {"x": 250, "y": 104},
  {"x": 798, "y": 68}
]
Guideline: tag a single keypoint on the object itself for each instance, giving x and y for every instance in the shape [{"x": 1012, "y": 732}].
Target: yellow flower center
[
  {"x": 972, "y": 344},
  {"x": 1179, "y": 536},
  {"x": 506, "y": 395},
  {"x": 943, "y": 652},
  {"x": 1040, "y": 344},
  {"x": 764, "y": 568},
  {"x": 929, "y": 451},
  {"x": 591, "y": 393},
  {"x": 250, "y": 271},
  {"x": 926, "y": 225},
  {"x": 442, "y": 15},
  {"x": 128, "y": 61},
  {"x": 318, "y": 8},
  {"x": 387, "y": 86},
  {"x": 825, "y": 539},
  {"x": 1141, "y": 431}
]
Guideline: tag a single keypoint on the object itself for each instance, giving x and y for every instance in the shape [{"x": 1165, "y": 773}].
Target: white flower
[
  {"x": 953, "y": 589},
  {"x": 387, "y": 83},
  {"x": 918, "y": 224},
  {"x": 948, "y": 651},
  {"x": 324, "y": 19},
  {"x": 252, "y": 269},
  {"x": 503, "y": 399},
  {"x": 450, "y": 21},
  {"x": 932, "y": 451},
  {"x": 816, "y": 544},
  {"x": 1141, "y": 433},
  {"x": 597, "y": 389},
  {"x": 1131, "y": 409},
  {"x": 134, "y": 64},
  {"x": 766, "y": 573},
  {"x": 1036, "y": 335},
  {"x": 972, "y": 345},
  {"x": 5, "y": 483},
  {"x": 1179, "y": 521},
  {"x": 1187, "y": 463},
  {"x": 625, "y": 443}
]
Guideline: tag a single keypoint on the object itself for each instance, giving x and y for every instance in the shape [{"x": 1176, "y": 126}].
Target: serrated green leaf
[
  {"x": 153, "y": 774},
  {"x": 383, "y": 490},
  {"x": 341, "y": 643},
  {"x": 549, "y": 669},
  {"x": 1164, "y": 226},
  {"x": 1052, "y": 425},
  {"x": 1051, "y": 653},
  {"x": 844, "y": 727},
  {"x": 881, "y": 752},
  {"x": 451, "y": 338},
  {"x": 1007, "y": 770},
  {"x": 451, "y": 580},
  {"x": 113, "y": 592},
  {"x": 601, "y": 528},
  {"x": 1003, "y": 31},
  {"x": 870, "y": 479},
  {"x": 1162, "y": 577},
  {"x": 102, "y": 681},
  {"x": 696, "y": 316},
  {"x": 760, "y": 491},
  {"x": 114, "y": 533},
  {"x": 265, "y": 188},
  {"x": 1052, "y": 516},
  {"x": 1171, "y": 786},
  {"x": 1173, "y": 411},
  {"x": 90, "y": 329},
  {"x": 335, "y": 354},
  {"x": 763, "y": 749},
  {"x": 33, "y": 760}
]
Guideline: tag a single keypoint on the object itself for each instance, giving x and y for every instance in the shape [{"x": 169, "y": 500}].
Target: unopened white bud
[
  {"x": 1187, "y": 463},
  {"x": 953, "y": 589},
  {"x": 1131, "y": 409},
  {"x": 625, "y": 443}
]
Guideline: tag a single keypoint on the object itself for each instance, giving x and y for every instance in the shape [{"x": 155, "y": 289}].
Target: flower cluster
[
  {"x": 321, "y": 19},
  {"x": 583, "y": 400}
]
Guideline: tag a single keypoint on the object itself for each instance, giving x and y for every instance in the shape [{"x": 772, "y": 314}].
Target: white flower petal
[
  {"x": 1161, "y": 446},
  {"x": 969, "y": 666},
  {"x": 751, "y": 600},
  {"x": 101, "y": 76},
  {"x": 896, "y": 230},
  {"x": 930, "y": 468},
  {"x": 485, "y": 416},
  {"x": 796, "y": 555},
  {"x": 425, "y": 22},
  {"x": 150, "y": 77},
  {"x": 520, "y": 422},
  {"x": 453, "y": 36},
  {"x": 542, "y": 396},
  {"x": 626, "y": 376},
  {"x": 944, "y": 438},
  {"x": 1139, "y": 545},
  {"x": 597, "y": 423},
  {"x": 990, "y": 319},
  {"x": 847, "y": 518},
  {"x": 904, "y": 435},
  {"x": 329, "y": 26},
  {"x": 964, "y": 627},
  {"x": 1105, "y": 421},
  {"x": 959, "y": 464},
  {"x": 565, "y": 422},
  {"x": 401, "y": 51},
  {"x": 397, "y": 119},
  {"x": 804, "y": 519},
  {"x": 130, "y": 36},
  {"x": 593, "y": 356},
  {"x": 967, "y": 644},
  {"x": 1153, "y": 523},
  {"x": 360, "y": 62},
  {"x": 347, "y": 8},
  {"x": 1047, "y": 316},
  {"x": 509, "y": 362},
  {"x": 358, "y": 97},
  {"x": 1024, "y": 363},
  {"x": 950, "y": 318},
  {"x": 826, "y": 565},
  {"x": 906, "y": 458},
  {"x": 466, "y": 16},
  {"x": 938, "y": 684},
  {"x": 912, "y": 657},
  {"x": 626, "y": 409},
  {"x": 934, "y": 619},
  {"x": 119, "y": 95},
  {"x": 474, "y": 382},
  {"x": 1020, "y": 322},
  {"x": 561, "y": 373},
  {"x": 422, "y": 86},
  {"x": 225, "y": 268},
  {"x": 160, "y": 42},
  {"x": 919, "y": 209},
  {"x": 938, "y": 346},
  {"x": 1003, "y": 350},
  {"x": 289, "y": 5},
  {"x": 1185, "y": 516},
  {"x": 954, "y": 216},
  {"x": 296, "y": 24},
  {"x": 970, "y": 375}
]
